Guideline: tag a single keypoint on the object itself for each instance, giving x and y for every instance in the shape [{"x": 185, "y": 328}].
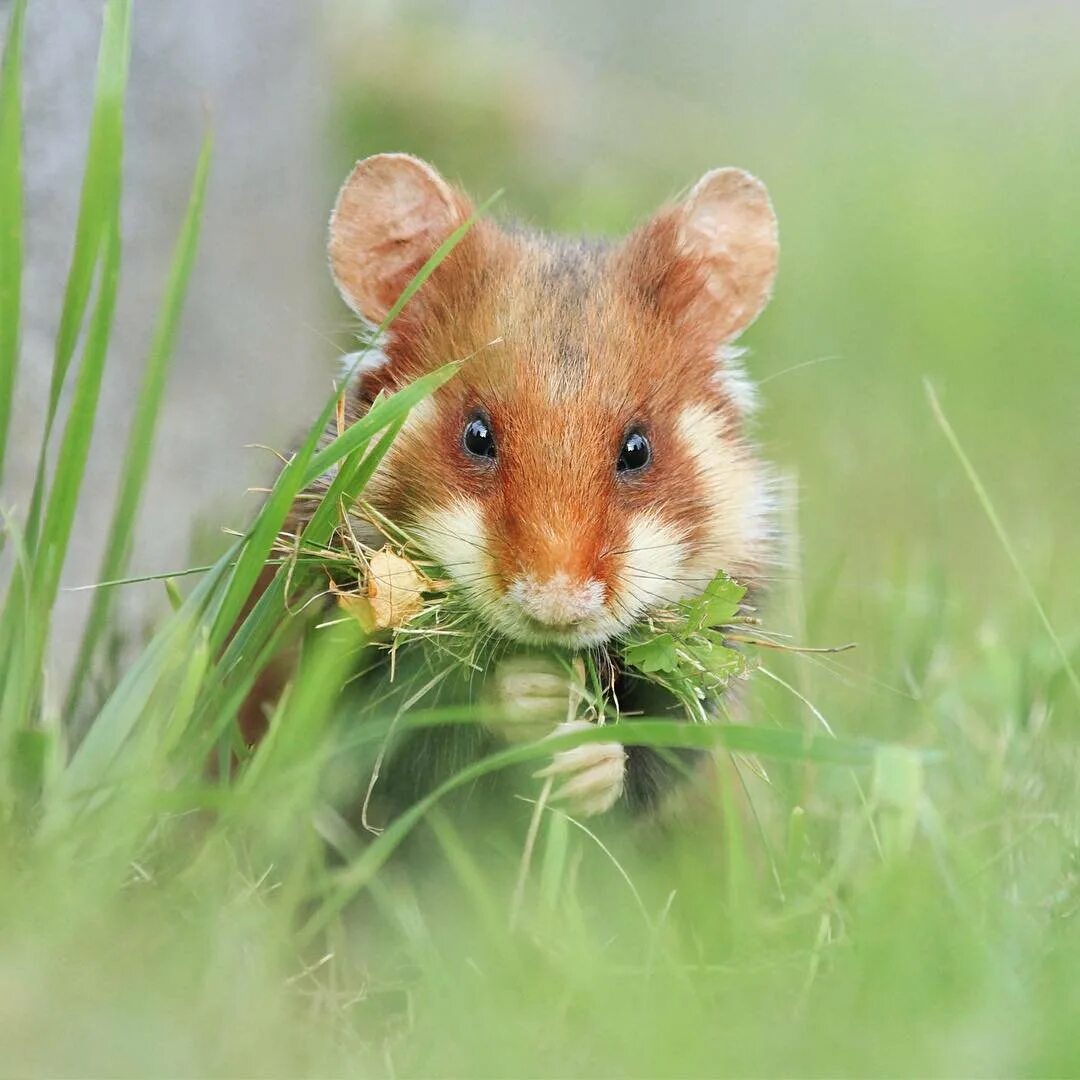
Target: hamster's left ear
[
  {"x": 712, "y": 257},
  {"x": 729, "y": 222}
]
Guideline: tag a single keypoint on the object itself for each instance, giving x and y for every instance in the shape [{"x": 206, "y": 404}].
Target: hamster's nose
[{"x": 558, "y": 600}]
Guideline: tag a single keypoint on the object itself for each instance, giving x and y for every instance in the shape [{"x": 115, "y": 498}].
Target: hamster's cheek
[
  {"x": 653, "y": 560},
  {"x": 456, "y": 537}
]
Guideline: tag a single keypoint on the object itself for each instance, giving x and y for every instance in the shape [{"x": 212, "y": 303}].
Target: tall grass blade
[
  {"x": 27, "y": 607},
  {"x": 25, "y": 672},
  {"x": 97, "y": 756},
  {"x": 141, "y": 440},
  {"x": 100, "y": 194},
  {"x": 94, "y": 759},
  {"x": 303, "y": 470},
  {"x": 75, "y": 443},
  {"x": 996, "y": 524},
  {"x": 255, "y": 639}
]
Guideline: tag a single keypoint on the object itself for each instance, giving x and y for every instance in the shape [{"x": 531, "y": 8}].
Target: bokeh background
[{"x": 923, "y": 159}]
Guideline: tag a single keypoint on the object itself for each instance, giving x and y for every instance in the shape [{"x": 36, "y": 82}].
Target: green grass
[{"x": 888, "y": 879}]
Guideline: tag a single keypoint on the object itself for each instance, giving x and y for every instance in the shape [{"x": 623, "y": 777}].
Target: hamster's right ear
[
  {"x": 391, "y": 215},
  {"x": 710, "y": 260}
]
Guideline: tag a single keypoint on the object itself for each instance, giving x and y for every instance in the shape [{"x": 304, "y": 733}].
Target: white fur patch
[
  {"x": 734, "y": 380},
  {"x": 596, "y": 622},
  {"x": 737, "y": 493},
  {"x": 421, "y": 413},
  {"x": 652, "y": 568},
  {"x": 370, "y": 357},
  {"x": 455, "y": 537},
  {"x": 382, "y": 482}
]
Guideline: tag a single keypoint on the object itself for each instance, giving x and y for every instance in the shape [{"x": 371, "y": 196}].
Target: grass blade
[
  {"x": 240, "y": 663},
  {"x": 27, "y": 614},
  {"x": 301, "y": 471},
  {"x": 1003, "y": 537},
  {"x": 75, "y": 444},
  {"x": 95, "y": 757},
  {"x": 384, "y": 413},
  {"x": 27, "y": 608},
  {"x": 141, "y": 440},
  {"x": 100, "y": 194}
]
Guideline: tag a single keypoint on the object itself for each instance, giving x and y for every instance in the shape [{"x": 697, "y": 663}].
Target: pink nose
[{"x": 558, "y": 601}]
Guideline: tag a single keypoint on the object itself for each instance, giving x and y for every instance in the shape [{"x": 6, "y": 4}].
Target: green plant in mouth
[{"x": 685, "y": 649}]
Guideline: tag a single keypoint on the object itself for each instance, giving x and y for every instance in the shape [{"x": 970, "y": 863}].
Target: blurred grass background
[{"x": 923, "y": 161}]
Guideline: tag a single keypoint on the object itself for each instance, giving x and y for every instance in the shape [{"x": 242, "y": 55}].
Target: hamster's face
[{"x": 588, "y": 463}]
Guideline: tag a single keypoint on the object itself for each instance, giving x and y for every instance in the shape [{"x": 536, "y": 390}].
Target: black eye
[
  {"x": 635, "y": 453},
  {"x": 478, "y": 439}
]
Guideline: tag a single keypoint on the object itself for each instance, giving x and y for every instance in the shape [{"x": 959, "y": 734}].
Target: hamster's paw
[
  {"x": 531, "y": 694},
  {"x": 592, "y": 775}
]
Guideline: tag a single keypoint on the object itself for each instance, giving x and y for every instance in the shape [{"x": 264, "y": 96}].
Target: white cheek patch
[
  {"x": 455, "y": 537},
  {"x": 653, "y": 570},
  {"x": 737, "y": 494}
]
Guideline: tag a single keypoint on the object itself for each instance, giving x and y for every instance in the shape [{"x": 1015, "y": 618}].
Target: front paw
[
  {"x": 592, "y": 775},
  {"x": 531, "y": 694}
]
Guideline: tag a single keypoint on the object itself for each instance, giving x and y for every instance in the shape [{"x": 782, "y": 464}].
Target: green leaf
[
  {"x": 238, "y": 666},
  {"x": 383, "y": 413},
  {"x": 721, "y": 662},
  {"x": 653, "y": 655},
  {"x": 30, "y": 638},
  {"x": 717, "y": 605},
  {"x": 24, "y": 625}
]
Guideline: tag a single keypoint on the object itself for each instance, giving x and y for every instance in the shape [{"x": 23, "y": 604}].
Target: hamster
[{"x": 589, "y": 462}]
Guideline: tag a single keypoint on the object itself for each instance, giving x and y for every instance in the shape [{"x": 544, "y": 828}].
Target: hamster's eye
[
  {"x": 635, "y": 453},
  {"x": 477, "y": 438}
]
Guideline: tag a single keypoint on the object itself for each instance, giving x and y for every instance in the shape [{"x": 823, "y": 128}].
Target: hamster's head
[{"x": 588, "y": 463}]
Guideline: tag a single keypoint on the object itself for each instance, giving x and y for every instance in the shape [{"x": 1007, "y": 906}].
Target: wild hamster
[{"x": 589, "y": 462}]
